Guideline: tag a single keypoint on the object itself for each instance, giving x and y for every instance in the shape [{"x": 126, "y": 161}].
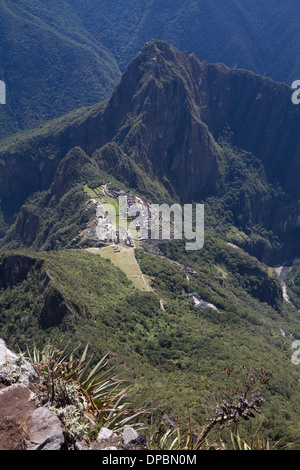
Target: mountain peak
[
  {"x": 158, "y": 46},
  {"x": 176, "y": 123}
]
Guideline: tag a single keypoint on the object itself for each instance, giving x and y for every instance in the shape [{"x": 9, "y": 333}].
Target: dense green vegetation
[
  {"x": 252, "y": 35},
  {"x": 48, "y": 70},
  {"x": 51, "y": 289},
  {"x": 58, "y": 57},
  {"x": 177, "y": 355}
]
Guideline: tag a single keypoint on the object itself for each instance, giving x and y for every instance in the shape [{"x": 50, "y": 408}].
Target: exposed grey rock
[
  {"x": 5, "y": 353},
  {"x": 104, "y": 434},
  {"x": 129, "y": 435},
  {"x": 45, "y": 431},
  {"x": 81, "y": 446},
  {"x": 107, "y": 438},
  {"x": 14, "y": 368},
  {"x": 128, "y": 439}
]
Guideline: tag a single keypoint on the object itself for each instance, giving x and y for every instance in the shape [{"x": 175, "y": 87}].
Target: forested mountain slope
[
  {"x": 48, "y": 71},
  {"x": 173, "y": 130},
  {"x": 57, "y": 57},
  {"x": 184, "y": 130}
]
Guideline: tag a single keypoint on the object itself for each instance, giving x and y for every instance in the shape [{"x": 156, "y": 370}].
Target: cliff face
[
  {"x": 168, "y": 111},
  {"x": 168, "y": 120},
  {"x": 17, "y": 268},
  {"x": 14, "y": 269},
  {"x": 34, "y": 425},
  {"x": 260, "y": 114},
  {"x": 155, "y": 116}
]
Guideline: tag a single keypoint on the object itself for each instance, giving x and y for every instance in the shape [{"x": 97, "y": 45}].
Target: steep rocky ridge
[
  {"x": 171, "y": 120},
  {"x": 163, "y": 92}
]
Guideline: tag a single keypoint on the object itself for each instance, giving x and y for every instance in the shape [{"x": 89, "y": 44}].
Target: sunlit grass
[{"x": 124, "y": 258}]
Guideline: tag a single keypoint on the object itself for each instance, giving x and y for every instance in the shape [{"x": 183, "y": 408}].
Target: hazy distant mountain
[
  {"x": 47, "y": 70},
  {"x": 259, "y": 35},
  {"x": 57, "y": 57}
]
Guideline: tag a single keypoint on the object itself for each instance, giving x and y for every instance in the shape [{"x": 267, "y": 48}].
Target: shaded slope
[
  {"x": 59, "y": 57},
  {"x": 249, "y": 35},
  {"x": 47, "y": 72}
]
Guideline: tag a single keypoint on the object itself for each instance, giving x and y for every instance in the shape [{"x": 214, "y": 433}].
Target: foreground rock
[
  {"x": 26, "y": 425},
  {"x": 16, "y": 406},
  {"x": 129, "y": 439},
  {"x": 45, "y": 431},
  {"x": 23, "y": 424},
  {"x": 14, "y": 368}
]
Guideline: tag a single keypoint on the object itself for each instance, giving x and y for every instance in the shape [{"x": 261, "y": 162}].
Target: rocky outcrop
[
  {"x": 166, "y": 125},
  {"x": 169, "y": 111},
  {"x": 27, "y": 425},
  {"x": 23, "y": 424},
  {"x": 129, "y": 439},
  {"x": 44, "y": 431},
  {"x": 14, "y": 369}
]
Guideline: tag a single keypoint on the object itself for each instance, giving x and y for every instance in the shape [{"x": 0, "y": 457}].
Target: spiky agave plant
[{"x": 100, "y": 392}]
